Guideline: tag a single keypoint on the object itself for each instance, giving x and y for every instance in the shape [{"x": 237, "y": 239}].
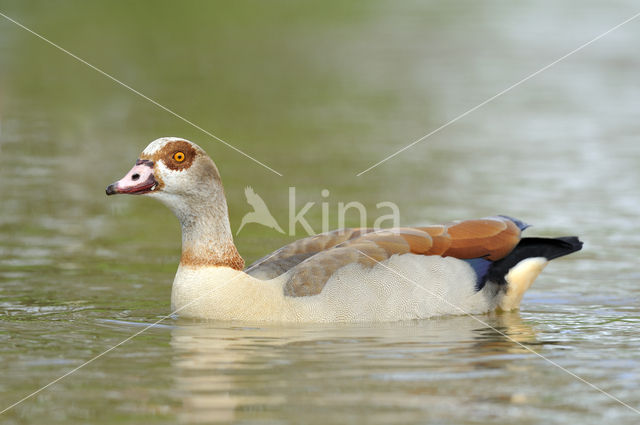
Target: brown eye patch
[{"x": 178, "y": 155}]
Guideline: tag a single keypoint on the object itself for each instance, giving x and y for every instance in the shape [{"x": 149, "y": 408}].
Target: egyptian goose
[{"x": 348, "y": 275}]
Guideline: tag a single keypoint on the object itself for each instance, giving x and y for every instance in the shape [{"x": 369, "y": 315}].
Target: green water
[{"x": 319, "y": 91}]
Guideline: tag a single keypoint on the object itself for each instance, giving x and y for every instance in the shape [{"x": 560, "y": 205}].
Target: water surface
[{"x": 319, "y": 91}]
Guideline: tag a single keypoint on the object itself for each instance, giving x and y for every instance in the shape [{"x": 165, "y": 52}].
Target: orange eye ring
[{"x": 178, "y": 156}]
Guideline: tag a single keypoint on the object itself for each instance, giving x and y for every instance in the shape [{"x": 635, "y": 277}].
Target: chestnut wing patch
[{"x": 489, "y": 238}]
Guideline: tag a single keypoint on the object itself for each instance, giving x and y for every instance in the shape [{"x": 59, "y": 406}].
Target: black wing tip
[
  {"x": 573, "y": 241},
  {"x": 571, "y": 244},
  {"x": 549, "y": 248}
]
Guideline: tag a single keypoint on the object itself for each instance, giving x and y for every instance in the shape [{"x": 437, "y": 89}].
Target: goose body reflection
[{"x": 227, "y": 373}]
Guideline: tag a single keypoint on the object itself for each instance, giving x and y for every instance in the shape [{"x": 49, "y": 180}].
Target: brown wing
[
  {"x": 290, "y": 255},
  {"x": 491, "y": 238}
]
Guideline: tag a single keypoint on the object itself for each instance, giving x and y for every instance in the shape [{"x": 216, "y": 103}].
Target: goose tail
[{"x": 521, "y": 267}]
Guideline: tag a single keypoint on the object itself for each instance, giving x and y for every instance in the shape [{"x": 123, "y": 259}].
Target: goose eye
[{"x": 178, "y": 156}]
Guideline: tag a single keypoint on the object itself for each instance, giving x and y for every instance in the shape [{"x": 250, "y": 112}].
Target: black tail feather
[{"x": 549, "y": 248}]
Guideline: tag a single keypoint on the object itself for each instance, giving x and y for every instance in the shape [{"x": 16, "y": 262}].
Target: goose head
[
  {"x": 181, "y": 175},
  {"x": 175, "y": 171}
]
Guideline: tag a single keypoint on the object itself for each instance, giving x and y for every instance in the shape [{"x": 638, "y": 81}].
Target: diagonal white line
[
  {"x": 461, "y": 310},
  {"x": 109, "y": 76},
  {"x": 508, "y": 89},
  {"x": 124, "y": 341}
]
